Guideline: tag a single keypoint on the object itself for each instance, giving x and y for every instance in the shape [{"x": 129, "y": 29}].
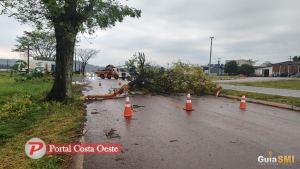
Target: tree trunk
[
  {"x": 65, "y": 42},
  {"x": 83, "y": 68}
]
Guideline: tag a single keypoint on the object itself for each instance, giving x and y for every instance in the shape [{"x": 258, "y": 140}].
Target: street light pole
[
  {"x": 219, "y": 66},
  {"x": 211, "y": 40},
  {"x": 28, "y": 58}
]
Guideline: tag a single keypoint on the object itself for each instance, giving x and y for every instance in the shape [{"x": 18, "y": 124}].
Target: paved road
[
  {"x": 254, "y": 79},
  {"x": 264, "y": 90},
  {"x": 217, "y": 135}
]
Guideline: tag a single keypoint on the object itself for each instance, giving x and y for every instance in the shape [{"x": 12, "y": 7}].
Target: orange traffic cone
[
  {"x": 188, "y": 105},
  {"x": 243, "y": 103},
  {"x": 128, "y": 110}
]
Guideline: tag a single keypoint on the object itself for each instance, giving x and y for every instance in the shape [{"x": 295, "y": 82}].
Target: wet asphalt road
[{"x": 216, "y": 135}]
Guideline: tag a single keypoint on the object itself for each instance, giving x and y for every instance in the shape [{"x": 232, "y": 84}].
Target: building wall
[
  {"x": 260, "y": 71},
  {"x": 292, "y": 68},
  {"x": 41, "y": 63}
]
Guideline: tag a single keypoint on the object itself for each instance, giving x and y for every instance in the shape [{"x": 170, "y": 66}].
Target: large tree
[
  {"x": 67, "y": 17},
  {"x": 41, "y": 44}
]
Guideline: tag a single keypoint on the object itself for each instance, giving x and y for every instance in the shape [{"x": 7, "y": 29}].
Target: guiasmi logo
[
  {"x": 35, "y": 148},
  {"x": 276, "y": 160}
]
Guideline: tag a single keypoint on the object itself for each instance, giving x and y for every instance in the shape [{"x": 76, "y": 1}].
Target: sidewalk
[{"x": 264, "y": 90}]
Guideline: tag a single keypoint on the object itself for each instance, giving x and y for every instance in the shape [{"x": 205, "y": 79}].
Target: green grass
[
  {"x": 281, "y": 84},
  {"x": 265, "y": 97},
  {"x": 24, "y": 114},
  {"x": 225, "y": 77}
]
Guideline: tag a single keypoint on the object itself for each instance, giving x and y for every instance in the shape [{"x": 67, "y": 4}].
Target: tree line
[{"x": 232, "y": 68}]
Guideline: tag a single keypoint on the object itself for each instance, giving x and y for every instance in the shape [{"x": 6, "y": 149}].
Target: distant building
[
  {"x": 215, "y": 69},
  {"x": 48, "y": 66},
  {"x": 264, "y": 71},
  {"x": 241, "y": 62},
  {"x": 286, "y": 68}
]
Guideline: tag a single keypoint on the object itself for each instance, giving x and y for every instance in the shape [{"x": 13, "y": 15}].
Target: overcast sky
[{"x": 169, "y": 30}]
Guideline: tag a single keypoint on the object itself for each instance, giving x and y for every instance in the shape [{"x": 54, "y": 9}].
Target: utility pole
[
  {"x": 79, "y": 65},
  {"x": 7, "y": 65},
  {"x": 75, "y": 59},
  {"x": 28, "y": 58},
  {"x": 290, "y": 58},
  {"x": 219, "y": 66},
  {"x": 209, "y": 66}
]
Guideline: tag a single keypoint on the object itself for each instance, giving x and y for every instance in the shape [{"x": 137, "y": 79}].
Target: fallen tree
[{"x": 179, "y": 78}]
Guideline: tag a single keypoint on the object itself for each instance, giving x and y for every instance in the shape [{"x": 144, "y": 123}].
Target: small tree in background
[
  {"x": 296, "y": 58},
  {"x": 231, "y": 68},
  {"x": 41, "y": 43},
  {"x": 246, "y": 69},
  {"x": 85, "y": 55}
]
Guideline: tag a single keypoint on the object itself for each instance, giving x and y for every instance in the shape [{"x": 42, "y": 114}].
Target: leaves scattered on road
[{"x": 111, "y": 133}]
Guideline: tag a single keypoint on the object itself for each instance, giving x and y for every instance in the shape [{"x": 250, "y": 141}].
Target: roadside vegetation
[
  {"x": 281, "y": 84},
  {"x": 24, "y": 114},
  {"x": 265, "y": 97}
]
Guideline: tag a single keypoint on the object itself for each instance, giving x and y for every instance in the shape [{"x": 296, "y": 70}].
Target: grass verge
[
  {"x": 24, "y": 114},
  {"x": 281, "y": 84},
  {"x": 265, "y": 97},
  {"x": 213, "y": 78}
]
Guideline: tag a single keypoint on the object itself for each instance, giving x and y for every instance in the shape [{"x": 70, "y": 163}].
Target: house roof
[{"x": 287, "y": 62}]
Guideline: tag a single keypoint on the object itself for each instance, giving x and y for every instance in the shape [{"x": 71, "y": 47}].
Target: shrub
[{"x": 15, "y": 109}]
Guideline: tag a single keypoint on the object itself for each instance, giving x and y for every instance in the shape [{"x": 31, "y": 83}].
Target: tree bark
[
  {"x": 65, "y": 42},
  {"x": 83, "y": 66}
]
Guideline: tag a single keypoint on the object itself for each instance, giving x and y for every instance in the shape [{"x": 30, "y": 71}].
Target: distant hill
[
  {"x": 89, "y": 67},
  {"x": 11, "y": 62}
]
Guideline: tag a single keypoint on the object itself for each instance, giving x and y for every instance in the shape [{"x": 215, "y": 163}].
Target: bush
[
  {"x": 31, "y": 76},
  {"x": 16, "y": 109},
  {"x": 246, "y": 69}
]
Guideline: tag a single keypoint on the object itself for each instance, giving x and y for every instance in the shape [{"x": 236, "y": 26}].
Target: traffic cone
[
  {"x": 128, "y": 110},
  {"x": 188, "y": 105},
  {"x": 243, "y": 103}
]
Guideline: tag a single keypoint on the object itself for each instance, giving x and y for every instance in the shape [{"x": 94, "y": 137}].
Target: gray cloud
[{"x": 180, "y": 29}]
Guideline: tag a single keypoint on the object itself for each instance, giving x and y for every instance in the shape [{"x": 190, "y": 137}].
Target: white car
[{"x": 123, "y": 74}]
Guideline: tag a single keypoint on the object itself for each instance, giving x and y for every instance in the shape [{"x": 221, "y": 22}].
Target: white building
[
  {"x": 41, "y": 65},
  {"x": 264, "y": 71}
]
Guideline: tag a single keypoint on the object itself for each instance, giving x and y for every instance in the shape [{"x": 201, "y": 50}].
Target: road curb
[{"x": 268, "y": 103}]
